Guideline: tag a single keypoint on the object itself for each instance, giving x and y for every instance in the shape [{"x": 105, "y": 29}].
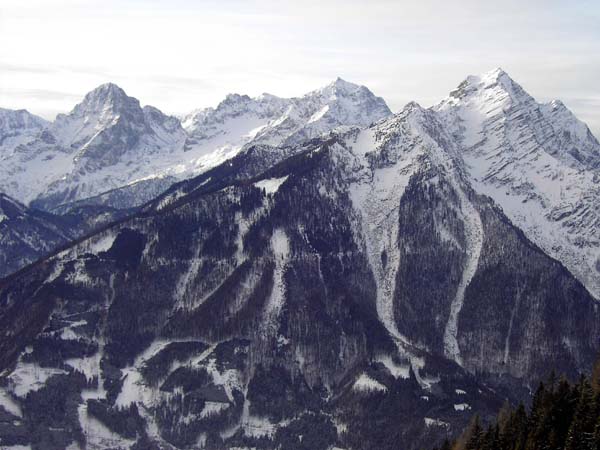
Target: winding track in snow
[
  {"x": 280, "y": 245},
  {"x": 474, "y": 242}
]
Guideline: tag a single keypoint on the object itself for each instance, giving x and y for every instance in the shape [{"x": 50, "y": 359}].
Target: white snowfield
[
  {"x": 364, "y": 383},
  {"x": 462, "y": 407},
  {"x": 376, "y": 196},
  {"x": 395, "y": 369},
  {"x": 429, "y": 422},
  {"x": 271, "y": 185},
  {"x": 280, "y": 246},
  {"x": 375, "y": 193}
]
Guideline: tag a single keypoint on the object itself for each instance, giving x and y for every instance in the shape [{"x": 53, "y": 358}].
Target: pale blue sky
[{"x": 180, "y": 55}]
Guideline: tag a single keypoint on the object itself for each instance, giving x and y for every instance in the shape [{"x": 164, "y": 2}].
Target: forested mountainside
[{"x": 27, "y": 234}]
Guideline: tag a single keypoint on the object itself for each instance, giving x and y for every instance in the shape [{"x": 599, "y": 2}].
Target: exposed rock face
[
  {"x": 355, "y": 290},
  {"x": 537, "y": 161}
]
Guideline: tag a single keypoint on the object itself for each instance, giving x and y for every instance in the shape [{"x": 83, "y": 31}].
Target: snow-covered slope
[
  {"x": 17, "y": 127},
  {"x": 220, "y": 133},
  {"x": 537, "y": 161},
  {"x": 217, "y": 134}
]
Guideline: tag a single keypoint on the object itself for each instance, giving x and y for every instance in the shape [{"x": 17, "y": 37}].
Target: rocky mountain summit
[
  {"x": 537, "y": 161},
  {"x": 104, "y": 143}
]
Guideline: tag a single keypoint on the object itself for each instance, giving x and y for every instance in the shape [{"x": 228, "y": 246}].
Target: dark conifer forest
[{"x": 562, "y": 416}]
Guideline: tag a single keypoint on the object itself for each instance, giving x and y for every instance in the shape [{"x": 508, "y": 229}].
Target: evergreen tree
[
  {"x": 520, "y": 428},
  {"x": 539, "y": 426},
  {"x": 475, "y": 436},
  {"x": 581, "y": 431},
  {"x": 561, "y": 412},
  {"x": 490, "y": 439},
  {"x": 595, "y": 378},
  {"x": 597, "y": 434}
]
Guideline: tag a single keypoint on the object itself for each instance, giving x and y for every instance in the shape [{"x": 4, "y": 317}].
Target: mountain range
[
  {"x": 108, "y": 141},
  {"x": 322, "y": 274}
]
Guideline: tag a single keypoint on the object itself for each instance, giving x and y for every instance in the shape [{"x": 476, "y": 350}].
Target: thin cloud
[
  {"x": 39, "y": 94},
  {"x": 4, "y": 67}
]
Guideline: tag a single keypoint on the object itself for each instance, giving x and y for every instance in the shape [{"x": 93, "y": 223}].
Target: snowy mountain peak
[
  {"x": 106, "y": 91},
  {"x": 491, "y": 77},
  {"x": 497, "y": 74},
  {"x": 235, "y": 98},
  {"x": 203, "y": 123},
  {"x": 102, "y": 109},
  {"x": 108, "y": 140},
  {"x": 411, "y": 114},
  {"x": 538, "y": 161},
  {"x": 341, "y": 103},
  {"x": 20, "y": 119},
  {"x": 413, "y": 106},
  {"x": 341, "y": 88},
  {"x": 495, "y": 99},
  {"x": 106, "y": 98},
  {"x": 18, "y": 127},
  {"x": 493, "y": 87},
  {"x": 342, "y": 85},
  {"x": 268, "y": 119}
]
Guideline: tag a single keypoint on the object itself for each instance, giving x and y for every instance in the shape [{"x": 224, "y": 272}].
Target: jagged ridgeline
[{"x": 350, "y": 292}]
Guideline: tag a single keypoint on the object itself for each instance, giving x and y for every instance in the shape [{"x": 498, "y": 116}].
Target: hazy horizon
[{"x": 183, "y": 55}]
